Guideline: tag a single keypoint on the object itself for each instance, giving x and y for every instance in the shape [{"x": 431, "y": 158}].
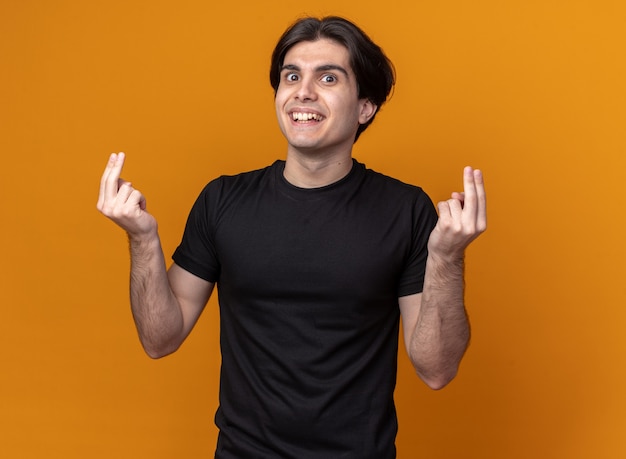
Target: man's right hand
[{"x": 123, "y": 204}]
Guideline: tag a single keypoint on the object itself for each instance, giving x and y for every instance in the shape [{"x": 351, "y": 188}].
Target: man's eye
[
  {"x": 329, "y": 78},
  {"x": 291, "y": 77}
]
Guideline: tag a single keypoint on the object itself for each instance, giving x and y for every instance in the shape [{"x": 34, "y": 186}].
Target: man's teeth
[{"x": 306, "y": 116}]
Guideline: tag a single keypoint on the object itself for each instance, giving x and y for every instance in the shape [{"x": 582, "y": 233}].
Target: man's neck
[{"x": 315, "y": 171}]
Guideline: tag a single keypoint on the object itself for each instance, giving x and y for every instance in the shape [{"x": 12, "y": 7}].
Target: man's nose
[{"x": 306, "y": 90}]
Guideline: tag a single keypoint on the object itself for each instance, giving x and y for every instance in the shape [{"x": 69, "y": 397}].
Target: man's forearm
[
  {"x": 156, "y": 311},
  {"x": 442, "y": 332}
]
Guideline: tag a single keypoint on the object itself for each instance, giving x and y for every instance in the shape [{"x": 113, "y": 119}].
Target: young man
[{"x": 315, "y": 258}]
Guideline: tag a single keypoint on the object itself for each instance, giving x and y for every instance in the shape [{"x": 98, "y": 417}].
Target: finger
[
  {"x": 109, "y": 167},
  {"x": 459, "y": 196},
  {"x": 481, "y": 197},
  {"x": 136, "y": 200},
  {"x": 456, "y": 209},
  {"x": 470, "y": 196},
  {"x": 103, "y": 179},
  {"x": 124, "y": 191},
  {"x": 444, "y": 210},
  {"x": 142, "y": 202},
  {"x": 450, "y": 212},
  {"x": 114, "y": 169}
]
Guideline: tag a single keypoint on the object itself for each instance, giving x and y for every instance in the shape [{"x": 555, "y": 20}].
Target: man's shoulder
[
  {"x": 251, "y": 174},
  {"x": 389, "y": 183},
  {"x": 243, "y": 179}
]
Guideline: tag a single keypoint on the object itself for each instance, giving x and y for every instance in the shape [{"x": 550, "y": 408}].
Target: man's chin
[{"x": 304, "y": 144}]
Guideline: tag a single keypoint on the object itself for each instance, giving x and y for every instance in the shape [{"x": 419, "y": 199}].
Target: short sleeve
[
  {"x": 196, "y": 252},
  {"x": 424, "y": 218}
]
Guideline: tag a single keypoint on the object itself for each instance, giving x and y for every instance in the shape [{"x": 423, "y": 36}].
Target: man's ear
[{"x": 368, "y": 110}]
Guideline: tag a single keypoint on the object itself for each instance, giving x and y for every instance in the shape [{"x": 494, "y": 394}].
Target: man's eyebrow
[
  {"x": 290, "y": 67},
  {"x": 321, "y": 68},
  {"x": 325, "y": 68}
]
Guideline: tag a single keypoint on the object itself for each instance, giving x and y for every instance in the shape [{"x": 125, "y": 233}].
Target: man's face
[{"x": 317, "y": 102}]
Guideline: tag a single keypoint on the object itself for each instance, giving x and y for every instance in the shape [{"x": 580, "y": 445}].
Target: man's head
[{"x": 374, "y": 72}]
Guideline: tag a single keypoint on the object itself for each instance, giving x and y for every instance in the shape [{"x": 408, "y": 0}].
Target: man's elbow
[
  {"x": 156, "y": 352},
  {"x": 439, "y": 380},
  {"x": 155, "y": 355},
  {"x": 438, "y": 375}
]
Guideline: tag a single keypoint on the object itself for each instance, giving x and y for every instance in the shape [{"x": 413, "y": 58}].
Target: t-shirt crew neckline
[{"x": 299, "y": 193}]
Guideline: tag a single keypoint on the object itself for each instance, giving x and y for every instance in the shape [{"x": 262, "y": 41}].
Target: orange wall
[{"x": 530, "y": 91}]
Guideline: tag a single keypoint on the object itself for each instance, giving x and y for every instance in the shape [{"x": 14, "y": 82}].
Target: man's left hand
[{"x": 462, "y": 218}]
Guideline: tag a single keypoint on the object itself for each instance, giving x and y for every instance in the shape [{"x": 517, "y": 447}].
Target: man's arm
[
  {"x": 435, "y": 324},
  {"x": 165, "y": 305}
]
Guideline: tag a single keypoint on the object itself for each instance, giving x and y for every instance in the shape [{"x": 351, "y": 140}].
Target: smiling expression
[{"x": 317, "y": 102}]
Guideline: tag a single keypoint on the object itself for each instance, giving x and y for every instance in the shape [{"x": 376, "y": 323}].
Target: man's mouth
[{"x": 305, "y": 117}]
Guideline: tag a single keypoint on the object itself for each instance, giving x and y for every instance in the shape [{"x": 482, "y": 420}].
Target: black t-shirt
[{"x": 308, "y": 283}]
